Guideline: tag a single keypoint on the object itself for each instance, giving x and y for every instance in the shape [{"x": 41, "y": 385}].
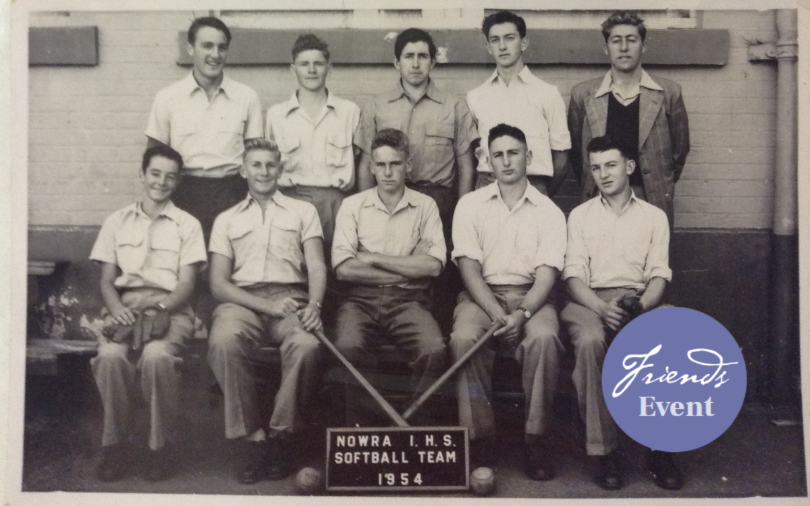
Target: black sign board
[{"x": 397, "y": 458}]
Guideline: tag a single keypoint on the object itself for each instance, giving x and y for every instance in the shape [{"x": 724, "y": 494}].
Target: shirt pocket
[
  {"x": 288, "y": 146},
  {"x": 338, "y": 151},
  {"x": 164, "y": 252},
  {"x": 439, "y": 143},
  {"x": 230, "y": 131},
  {"x": 285, "y": 239},
  {"x": 240, "y": 234},
  {"x": 635, "y": 250},
  {"x": 129, "y": 252}
]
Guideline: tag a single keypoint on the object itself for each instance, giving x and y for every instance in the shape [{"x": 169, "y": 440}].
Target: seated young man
[
  {"x": 268, "y": 273},
  {"x": 150, "y": 252},
  {"x": 509, "y": 243},
  {"x": 617, "y": 245},
  {"x": 388, "y": 245}
]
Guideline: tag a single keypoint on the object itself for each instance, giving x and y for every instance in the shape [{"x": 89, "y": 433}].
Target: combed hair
[
  {"x": 624, "y": 18},
  {"x": 414, "y": 35},
  {"x": 503, "y": 129},
  {"x": 309, "y": 41},
  {"x": 261, "y": 144},
  {"x": 162, "y": 151},
  {"x": 606, "y": 143},
  {"x": 210, "y": 22},
  {"x": 392, "y": 138},
  {"x": 504, "y": 17}
]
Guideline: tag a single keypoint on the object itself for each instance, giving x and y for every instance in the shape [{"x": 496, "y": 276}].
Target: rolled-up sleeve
[
  {"x": 551, "y": 251},
  {"x": 576, "y": 254},
  {"x": 559, "y": 137},
  {"x": 192, "y": 244},
  {"x": 344, "y": 243},
  {"x": 367, "y": 127},
  {"x": 432, "y": 238},
  {"x": 466, "y": 130},
  {"x": 254, "y": 128},
  {"x": 104, "y": 247},
  {"x": 159, "y": 124},
  {"x": 310, "y": 224},
  {"x": 465, "y": 238},
  {"x": 219, "y": 242},
  {"x": 658, "y": 259}
]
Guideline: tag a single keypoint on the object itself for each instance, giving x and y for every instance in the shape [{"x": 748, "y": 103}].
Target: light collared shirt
[
  {"x": 439, "y": 128},
  {"x": 209, "y": 135},
  {"x": 266, "y": 247},
  {"x": 149, "y": 252},
  {"x": 509, "y": 244},
  {"x": 608, "y": 86},
  {"x": 529, "y": 103},
  {"x": 610, "y": 250},
  {"x": 315, "y": 151},
  {"x": 364, "y": 224}
]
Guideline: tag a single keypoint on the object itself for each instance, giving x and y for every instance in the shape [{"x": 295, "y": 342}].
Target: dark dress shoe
[
  {"x": 608, "y": 475},
  {"x": 157, "y": 465},
  {"x": 482, "y": 453},
  {"x": 114, "y": 463},
  {"x": 537, "y": 465},
  {"x": 663, "y": 470},
  {"x": 278, "y": 458},
  {"x": 253, "y": 462}
]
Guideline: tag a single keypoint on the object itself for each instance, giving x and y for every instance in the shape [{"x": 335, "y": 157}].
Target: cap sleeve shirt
[
  {"x": 529, "y": 103},
  {"x": 364, "y": 225},
  {"x": 315, "y": 151},
  {"x": 439, "y": 128},
  {"x": 266, "y": 247},
  {"x": 609, "y": 250},
  {"x": 210, "y": 135},
  {"x": 149, "y": 253},
  {"x": 509, "y": 244}
]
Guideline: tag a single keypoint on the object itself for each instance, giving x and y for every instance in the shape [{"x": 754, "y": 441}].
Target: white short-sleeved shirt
[
  {"x": 209, "y": 135},
  {"x": 315, "y": 151},
  {"x": 365, "y": 224},
  {"x": 529, "y": 103},
  {"x": 149, "y": 253},
  {"x": 509, "y": 244},
  {"x": 266, "y": 247},
  {"x": 609, "y": 250}
]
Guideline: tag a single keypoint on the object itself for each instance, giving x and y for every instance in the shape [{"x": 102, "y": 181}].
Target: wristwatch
[{"x": 526, "y": 313}]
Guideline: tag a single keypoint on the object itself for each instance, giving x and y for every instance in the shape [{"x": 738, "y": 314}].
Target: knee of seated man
[
  {"x": 112, "y": 352},
  {"x": 159, "y": 350},
  {"x": 303, "y": 342}
]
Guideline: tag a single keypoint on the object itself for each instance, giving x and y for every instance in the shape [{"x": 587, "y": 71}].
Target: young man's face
[
  {"x": 505, "y": 44},
  {"x": 390, "y": 167},
  {"x": 310, "y": 69},
  {"x": 509, "y": 158},
  {"x": 160, "y": 178},
  {"x": 624, "y": 48},
  {"x": 261, "y": 168},
  {"x": 415, "y": 63},
  {"x": 209, "y": 52},
  {"x": 611, "y": 171}
]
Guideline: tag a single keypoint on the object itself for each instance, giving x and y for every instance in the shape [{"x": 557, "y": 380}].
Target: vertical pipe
[{"x": 784, "y": 345}]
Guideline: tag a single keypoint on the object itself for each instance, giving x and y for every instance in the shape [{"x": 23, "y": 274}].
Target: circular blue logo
[{"x": 674, "y": 379}]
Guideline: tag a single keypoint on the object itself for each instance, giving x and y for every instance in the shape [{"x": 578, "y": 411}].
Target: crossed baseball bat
[{"x": 401, "y": 420}]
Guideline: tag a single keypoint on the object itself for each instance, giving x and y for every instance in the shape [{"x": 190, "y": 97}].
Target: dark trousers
[{"x": 204, "y": 197}]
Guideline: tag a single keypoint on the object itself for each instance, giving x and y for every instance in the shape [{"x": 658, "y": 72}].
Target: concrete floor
[{"x": 63, "y": 427}]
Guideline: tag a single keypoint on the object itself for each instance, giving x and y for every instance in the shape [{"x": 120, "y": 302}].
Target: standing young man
[
  {"x": 207, "y": 117},
  {"x": 388, "y": 245},
  {"x": 646, "y": 113},
  {"x": 314, "y": 131},
  {"x": 150, "y": 252},
  {"x": 268, "y": 274},
  {"x": 512, "y": 95},
  {"x": 618, "y": 244},
  {"x": 509, "y": 242}
]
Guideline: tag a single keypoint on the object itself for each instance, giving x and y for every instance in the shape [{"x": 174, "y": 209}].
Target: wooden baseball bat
[
  {"x": 389, "y": 410},
  {"x": 453, "y": 370}
]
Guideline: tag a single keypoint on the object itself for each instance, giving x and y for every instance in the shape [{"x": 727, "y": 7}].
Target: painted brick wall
[{"x": 86, "y": 124}]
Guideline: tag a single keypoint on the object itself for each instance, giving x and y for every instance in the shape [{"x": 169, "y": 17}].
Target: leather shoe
[
  {"x": 537, "y": 466},
  {"x": 608, "y": 475},
  {"x": 663, "y": 470},
  {"x": 157, "y": 464},
  {"x": 253, "y": 462},
  {"x": 278, "y": 461},
  {"x": 114, "y": 463}
]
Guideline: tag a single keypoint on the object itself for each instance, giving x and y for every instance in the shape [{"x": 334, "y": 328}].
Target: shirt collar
[
  {"x": 531, "y": 193},
  {"x": 373, "y": 200},
  {"x": 432, "y": 92},
  {"x": 646, "y": 82},
  {"x": 190, "y": 84},
  {"x": 524, "y": 75},
  {"x": 278, "y": 198},
  {"x": 293, "y": 103},
  {"x": 169, "y": 211},
  {"x": 632, "y": 199}
]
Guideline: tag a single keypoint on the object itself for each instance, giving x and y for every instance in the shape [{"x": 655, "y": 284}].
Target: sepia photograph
[{"x": 366, "y": 249}]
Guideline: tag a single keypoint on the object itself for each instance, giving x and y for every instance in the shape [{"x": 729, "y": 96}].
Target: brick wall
[{"x": 86, "y": 124}]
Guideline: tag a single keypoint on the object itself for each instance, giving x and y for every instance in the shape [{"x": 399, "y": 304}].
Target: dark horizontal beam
[
  {"x": 466, "y": 47},
  {"x": 63, "y": 46}
]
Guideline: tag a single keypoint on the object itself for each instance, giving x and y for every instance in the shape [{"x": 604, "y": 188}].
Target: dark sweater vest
[{"x": 622, "y": 123}]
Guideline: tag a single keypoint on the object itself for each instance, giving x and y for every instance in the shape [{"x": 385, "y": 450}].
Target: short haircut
[
  {"x": 392, "y": 138},
  {"x": 608, "y": 142},
  {"x": 503, "y": 129},
  {"x": 210, "y": 22},
  {"x": 504, "y": 17},
  {"x": 624, "y": 18},
  {"x": 309, "y": 41},
  {"x": 261, "y": 144},
  {"x": 414, "y": 35},
  {"x": 162, "y": 151}
]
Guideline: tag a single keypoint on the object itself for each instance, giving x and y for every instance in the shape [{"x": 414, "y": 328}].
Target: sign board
[{"x": 397, "y": 458}]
